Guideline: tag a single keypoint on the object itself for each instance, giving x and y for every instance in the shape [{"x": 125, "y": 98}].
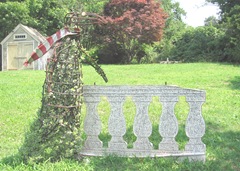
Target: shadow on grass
[
  {"x": 223, "y": 153},
  {"x": 223, "y": 147},
  {"x": 235, "y": 83},
  {"x": 228, "y": 64},
  {"x": 11, "y": 161}
]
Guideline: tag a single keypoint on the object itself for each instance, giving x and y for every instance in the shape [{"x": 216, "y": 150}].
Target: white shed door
[{"x": 18, "y": 53}]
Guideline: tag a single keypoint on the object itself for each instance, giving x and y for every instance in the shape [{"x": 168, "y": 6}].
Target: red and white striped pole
[{"x": 46, "y": 45}]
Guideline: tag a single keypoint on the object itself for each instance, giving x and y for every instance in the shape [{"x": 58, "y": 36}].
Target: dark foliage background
[{"x": 132, "y": 34}]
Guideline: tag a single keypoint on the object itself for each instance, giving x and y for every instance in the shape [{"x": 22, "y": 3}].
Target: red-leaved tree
[{"x": 128, "y": 23}]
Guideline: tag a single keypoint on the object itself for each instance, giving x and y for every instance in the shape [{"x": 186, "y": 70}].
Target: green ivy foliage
[{"x": 55, "y": 134}]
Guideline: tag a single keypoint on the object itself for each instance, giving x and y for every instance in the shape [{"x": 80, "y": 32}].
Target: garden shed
[{"x": 18, "y": 46}]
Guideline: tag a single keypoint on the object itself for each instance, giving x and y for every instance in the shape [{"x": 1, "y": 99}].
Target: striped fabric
[{"x": 50, "y": 41}]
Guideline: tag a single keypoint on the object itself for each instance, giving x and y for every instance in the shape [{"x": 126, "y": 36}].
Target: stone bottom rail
[{"x": 195, "y": 149}]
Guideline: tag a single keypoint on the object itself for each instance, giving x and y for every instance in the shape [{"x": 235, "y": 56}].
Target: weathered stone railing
[{"x": 168, "y": 124}]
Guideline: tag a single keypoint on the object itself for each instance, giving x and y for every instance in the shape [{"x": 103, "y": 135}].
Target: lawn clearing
[{"x": 20, "y": 98}]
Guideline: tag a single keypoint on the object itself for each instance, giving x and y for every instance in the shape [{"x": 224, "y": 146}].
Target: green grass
[{"x": 20, "y": 97}]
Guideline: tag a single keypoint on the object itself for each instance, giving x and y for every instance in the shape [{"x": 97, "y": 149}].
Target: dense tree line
[
  {"x": 218, "y": 40},
  {"x": 122, "y": 40},
  {"x": 230, "y": 23},
  {"x": 45, "y": 15}
]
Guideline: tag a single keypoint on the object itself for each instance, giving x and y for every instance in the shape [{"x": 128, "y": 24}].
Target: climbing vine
[{"x": 55, "y": 134}]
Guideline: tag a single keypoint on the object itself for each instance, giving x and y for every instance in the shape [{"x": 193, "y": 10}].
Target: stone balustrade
[{"x": 195, "y": 149}]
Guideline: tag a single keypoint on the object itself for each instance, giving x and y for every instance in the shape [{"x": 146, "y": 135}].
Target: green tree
[
  {"x": 173, "y": 30},
  {"x": 225, "y": 6},
  {"x": 174, "y": 24},
  {"x": 230, "y": 22},
  {"x": 233, "y": 35},
  {"x": 11, "y": 14},
  {"x": 46, "y": 15},
  {"x": 200, "y": 44},
  {"x": 12, "y": 0},
  {"x": 211, "y": 21},
  {"x": 95, "y": 6}
]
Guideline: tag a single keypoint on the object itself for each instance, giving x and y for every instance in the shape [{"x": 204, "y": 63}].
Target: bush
[
  {"x": 200, "y": 44},
  {"x": 111, "y": 54}
]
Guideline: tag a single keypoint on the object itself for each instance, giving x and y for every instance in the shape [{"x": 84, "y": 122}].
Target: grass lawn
[{"x": 20, "y": 98}]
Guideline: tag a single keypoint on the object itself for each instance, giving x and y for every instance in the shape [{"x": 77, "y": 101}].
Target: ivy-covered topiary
[{"x": 55, "y": 133}]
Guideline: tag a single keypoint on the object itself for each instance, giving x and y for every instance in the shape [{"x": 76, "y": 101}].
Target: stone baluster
[
  {"x": 168, "y": 126},
  {"x": 195, "y": 125},
  {"x": 116, "y": 123},
  {"x": 142, "y": 126},
  {"x": 92, "y": 124}
]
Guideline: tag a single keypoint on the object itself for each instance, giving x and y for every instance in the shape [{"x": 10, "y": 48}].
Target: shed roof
[{"x": 32, "y": 32}]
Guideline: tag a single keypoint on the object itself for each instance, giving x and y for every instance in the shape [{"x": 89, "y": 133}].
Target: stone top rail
[{"x": 140, "y": 90}]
